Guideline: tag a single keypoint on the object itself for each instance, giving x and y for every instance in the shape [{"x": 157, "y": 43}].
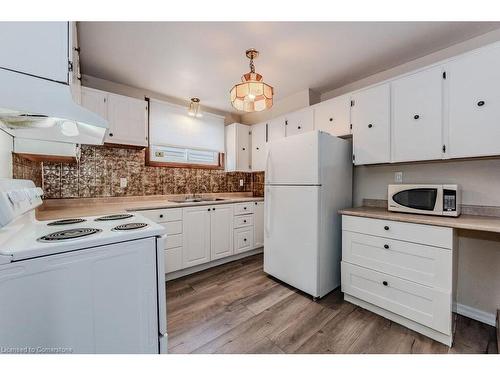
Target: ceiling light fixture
[
  {"x": 253, "y": 94},
  {"x": 194, "y": 108}
]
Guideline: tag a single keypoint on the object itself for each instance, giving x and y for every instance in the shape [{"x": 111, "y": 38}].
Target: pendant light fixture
[
  {"x": 252, "y": 94},
  {"x": 194, "y": 108}
]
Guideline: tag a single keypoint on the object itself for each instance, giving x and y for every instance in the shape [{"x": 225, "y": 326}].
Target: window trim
[{"x": 151, "y": 163}]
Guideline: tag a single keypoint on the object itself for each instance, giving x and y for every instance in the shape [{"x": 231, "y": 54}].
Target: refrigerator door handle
[
  {"x": 267, "y": 216},
  {"x": 268, "y": 169}
]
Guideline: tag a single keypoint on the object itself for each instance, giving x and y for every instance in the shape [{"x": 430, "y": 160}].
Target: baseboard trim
[
  {"x": 204, "y": 266},
  {"x": 476, "y": 314}
]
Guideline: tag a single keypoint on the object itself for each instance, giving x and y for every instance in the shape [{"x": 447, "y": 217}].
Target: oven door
[{"x": 424, "y": 199}]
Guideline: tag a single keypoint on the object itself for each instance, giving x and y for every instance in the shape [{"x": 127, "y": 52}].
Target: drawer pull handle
[
  {"x": 244, "y": 221},
  {"x": 256, "y": 203},
  {"x": 386, "y": 246},
  {"x": 386, "y": 227},
  {"x": 480, "y": 103},
  {"x": 161, "y": 216},
  {"x": 208, "y": 209},
  {"x": 244, "y": 208},
  {"x": 244, "y": 239},
  {"x": 385, "y": 283}
]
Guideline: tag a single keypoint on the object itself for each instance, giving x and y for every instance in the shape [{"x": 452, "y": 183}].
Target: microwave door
[{"x": 424, "y": 200}]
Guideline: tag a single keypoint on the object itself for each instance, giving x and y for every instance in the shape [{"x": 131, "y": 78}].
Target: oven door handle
[{"x": 160, "y": 278}]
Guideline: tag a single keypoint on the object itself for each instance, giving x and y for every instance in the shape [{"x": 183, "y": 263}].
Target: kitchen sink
[{"x": 195, "y": 200}]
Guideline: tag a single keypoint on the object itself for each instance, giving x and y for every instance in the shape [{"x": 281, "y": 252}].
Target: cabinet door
[
  {"x": 95, "y": 101},
  {"x": 334, "y": 116},
  {"x": 417, "y": 120},
  {"x": 196, "y": 236},
  {"x": 276, "y": 129},
  {"x": 36, "y": 48},
  {"x": 221, "y": 232},
  {"x": 474, "y": 103},
  {"x": 259, "y": 135},
  {"x": 299, "y": 122},
  {"x": 259, "y": 224},
  {"x": 243, "y": 148},
  {"x": 370, "y": 116},
  {"x": 127, "y": 120}
]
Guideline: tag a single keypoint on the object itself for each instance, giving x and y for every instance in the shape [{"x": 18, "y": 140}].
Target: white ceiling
[{"x": 205, "y": 59}]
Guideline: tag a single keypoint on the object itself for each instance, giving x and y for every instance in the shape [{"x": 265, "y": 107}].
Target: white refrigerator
[{"x": 308, "y": 179}]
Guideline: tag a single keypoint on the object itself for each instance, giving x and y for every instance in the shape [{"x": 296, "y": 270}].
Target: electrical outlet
[
  {"x": 123, "y": 182},
  {"x": 398, "y": 177},
  {"x": 241, "y": 182}
]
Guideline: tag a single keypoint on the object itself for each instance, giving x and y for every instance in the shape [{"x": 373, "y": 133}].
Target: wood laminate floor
[{"x": 237, "y": 308}]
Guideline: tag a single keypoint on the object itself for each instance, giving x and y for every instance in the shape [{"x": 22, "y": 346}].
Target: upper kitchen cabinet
[
  {"x": 95, "y": 101},
  {"x": 299, "y": 122},
  {"x": 370, "y": 117},
  {"x": 474, "y": 103},
  {"x": 127, "y": 116},
  {"x": 334, "y": 116},
  {"x": 127, "y": 121},
  {"x": 238, "y": 148},
  {"x": 276, "y": 129},
  {"x": 259, "y": 140},
  {"x": 417, "y": 116},
  {"x": 39, "y": 49}
]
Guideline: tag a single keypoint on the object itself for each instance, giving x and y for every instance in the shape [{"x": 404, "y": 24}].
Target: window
[{"x": 180, "y": 155}]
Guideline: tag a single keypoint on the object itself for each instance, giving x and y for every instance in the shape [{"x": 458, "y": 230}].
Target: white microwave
[{"x": 442, "y": 200}]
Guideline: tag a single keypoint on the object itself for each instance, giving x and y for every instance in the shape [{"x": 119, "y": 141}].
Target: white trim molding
[{"x": 476, "y": 314}]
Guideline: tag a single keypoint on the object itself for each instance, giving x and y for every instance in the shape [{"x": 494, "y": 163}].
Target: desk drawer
[
  {"x": 431, "y": 266},
  {"x": 243, "y": 221},
  {"x": 163, "y": 215},
  {"x": 418, "y": 233},
  {"x": 424, "y": 305},
  {"x": 244, "y": 208}
]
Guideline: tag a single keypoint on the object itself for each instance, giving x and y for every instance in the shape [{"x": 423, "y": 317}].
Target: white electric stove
[{"x": 80, "y": 285}]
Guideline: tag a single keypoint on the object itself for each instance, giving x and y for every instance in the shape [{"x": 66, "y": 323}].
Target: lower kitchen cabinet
[
  {"x": 243, "y": 239},
  {"x": 202, "y": 234},
  {"x": 221, "y": 231},
  {"x": 196, "y": 235},
  {"x": 258, "y": 224}
]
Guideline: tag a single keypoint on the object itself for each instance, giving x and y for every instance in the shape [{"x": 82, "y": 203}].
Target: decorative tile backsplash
[
  {"x": 100, "y": 169},
  {"x": 26, "y": 169}
]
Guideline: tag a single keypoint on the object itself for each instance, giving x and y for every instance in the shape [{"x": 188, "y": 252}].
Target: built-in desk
[{"x": 404, "y": 266}]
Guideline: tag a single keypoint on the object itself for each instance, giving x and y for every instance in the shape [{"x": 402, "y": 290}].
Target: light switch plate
[
  {"x": 398, "y": 177},
  {"x": 123, "y": 182},
  {"x": 241, "y": 182}
]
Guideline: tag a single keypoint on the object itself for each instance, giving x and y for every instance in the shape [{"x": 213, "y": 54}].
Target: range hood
[{"x": 40, "y": 109}]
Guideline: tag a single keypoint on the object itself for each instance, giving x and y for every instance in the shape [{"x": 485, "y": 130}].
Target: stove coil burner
[
  {"x": 114, "y": 217},
  {"x": 66, "y": 222},
  {"x": 68, "y": 234},
  {"x": 130, "y": 226}
]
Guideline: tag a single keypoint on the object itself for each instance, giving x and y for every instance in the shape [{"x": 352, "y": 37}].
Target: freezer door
[
  {"x": 291, "y": 235},
  {"x": 294, "y": 160}
]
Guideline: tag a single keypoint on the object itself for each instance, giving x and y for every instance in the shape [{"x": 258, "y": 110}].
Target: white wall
[
  {"x": 6, "y": 147},
  {"x": 289, "y": 104}
]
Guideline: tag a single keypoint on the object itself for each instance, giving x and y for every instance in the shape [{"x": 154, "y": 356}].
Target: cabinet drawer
[
  {"x": 418, "y": 233},
  {"x": 243, "y": 239},
  {"x": 243, "y": 221},
  {"x": 431, "y": 266},
  {"x": 424, "y": 305},
  {"x": 163, "y": 215},
  {"x": 243, "y": 208},
  {"x": 174, "y": 240},
  {"x": 174, "y": 227},
  {"x": 173, "y": 259}
]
